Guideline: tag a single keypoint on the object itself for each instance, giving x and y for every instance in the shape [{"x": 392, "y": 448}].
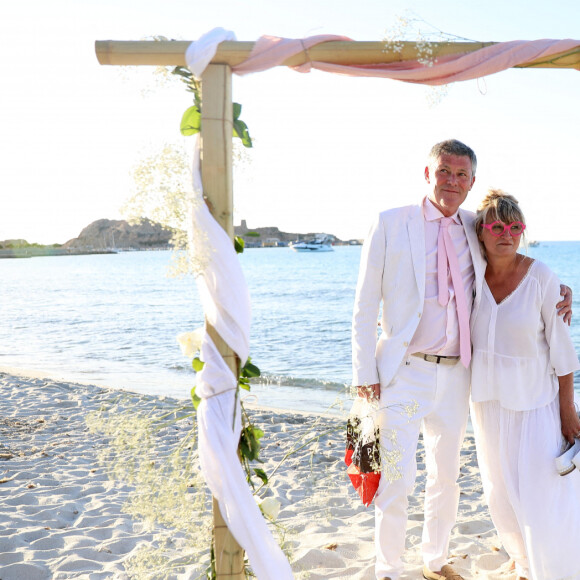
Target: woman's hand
[
  {"x": 570, "y": 422},
  {"x": 370, "y": 392},
  {"x": 564, "y": 307}
]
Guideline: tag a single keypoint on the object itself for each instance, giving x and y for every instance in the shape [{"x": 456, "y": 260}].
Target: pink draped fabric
[{"x": 271, "y": 51}]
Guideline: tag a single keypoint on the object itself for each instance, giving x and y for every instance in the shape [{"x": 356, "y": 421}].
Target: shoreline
[
  {"x": 18, "y": 253},
  {"x": 71, "y": 507},
  {"x": 272, "y": 396}
]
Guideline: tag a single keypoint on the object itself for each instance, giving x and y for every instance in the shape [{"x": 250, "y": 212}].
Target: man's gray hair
[{"x": 453, "y": 147}]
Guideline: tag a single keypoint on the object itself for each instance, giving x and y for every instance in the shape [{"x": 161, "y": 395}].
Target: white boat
[
  {"x": 533, "y": 243},
  {"x": 320, "y": 243}
]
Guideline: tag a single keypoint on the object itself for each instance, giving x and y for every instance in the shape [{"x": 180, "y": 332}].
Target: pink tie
[{"x": 446, "y": 255}]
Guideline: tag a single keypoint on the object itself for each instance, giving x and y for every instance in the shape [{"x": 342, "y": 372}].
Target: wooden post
[{"x": 216, "y": 175}]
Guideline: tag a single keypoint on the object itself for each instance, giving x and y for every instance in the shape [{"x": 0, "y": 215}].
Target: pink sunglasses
[{"x": 498, "y": 228}]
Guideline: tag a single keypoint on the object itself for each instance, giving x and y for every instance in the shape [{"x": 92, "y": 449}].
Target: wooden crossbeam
[{"x": 232, "y": 53}]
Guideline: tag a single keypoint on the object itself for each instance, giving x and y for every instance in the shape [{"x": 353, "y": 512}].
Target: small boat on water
[
  {"x": 533, "y": 243},
  {"x": 320, "y": 243}
]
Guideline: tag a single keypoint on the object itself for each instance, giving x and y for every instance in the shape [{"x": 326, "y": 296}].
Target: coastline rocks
[{"x": 120, "y": 234}]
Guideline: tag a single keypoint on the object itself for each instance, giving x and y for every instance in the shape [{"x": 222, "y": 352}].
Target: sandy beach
[{"x": 96, "y": 483}]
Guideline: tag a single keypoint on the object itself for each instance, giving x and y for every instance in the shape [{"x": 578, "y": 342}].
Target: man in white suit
[{"x": 419, "y": 366}]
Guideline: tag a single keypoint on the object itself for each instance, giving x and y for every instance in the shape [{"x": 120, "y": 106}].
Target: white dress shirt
[{"x": 438, "y": 330}]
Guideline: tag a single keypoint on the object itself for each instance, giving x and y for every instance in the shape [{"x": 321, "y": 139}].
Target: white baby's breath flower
[
  {"x": 190, "y": 342},
  {"x": 410, "y": 408},
  {"x": 270, "y": 507}
]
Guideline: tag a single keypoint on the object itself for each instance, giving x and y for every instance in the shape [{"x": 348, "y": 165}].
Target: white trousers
[{"x": 440, "y": 394}]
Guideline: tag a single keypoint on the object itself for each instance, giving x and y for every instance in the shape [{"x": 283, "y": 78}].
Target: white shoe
[{"x": 569, "y": 459}]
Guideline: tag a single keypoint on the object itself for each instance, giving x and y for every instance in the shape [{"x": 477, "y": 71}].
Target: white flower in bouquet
[
  {"x": 270, "y": 507},
  {"x": 190, "y": 342}
]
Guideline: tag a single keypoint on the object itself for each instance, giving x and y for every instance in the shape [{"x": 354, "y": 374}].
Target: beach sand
[{"x": 90, "y": 488}]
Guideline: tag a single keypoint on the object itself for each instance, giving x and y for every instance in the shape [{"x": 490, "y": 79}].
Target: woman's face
[{"x": 504, "y": 245}]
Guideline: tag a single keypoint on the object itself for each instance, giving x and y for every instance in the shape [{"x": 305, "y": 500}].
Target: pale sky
[{"x": 329, "y": 151}]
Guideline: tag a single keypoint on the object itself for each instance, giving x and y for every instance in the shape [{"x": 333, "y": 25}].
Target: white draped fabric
[
  {"x": 220, "y": 280},
  {"x": 219, "y": 426},
  {"x": 225, "y": 298},
  {"x": 200, "y": 52},
  {"x": 226, "y": 303}
]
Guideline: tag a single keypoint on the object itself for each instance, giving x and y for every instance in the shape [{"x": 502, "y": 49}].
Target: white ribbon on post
[
  {"x": 226, "y": 303},
  {"x": 199, "y": 53}
]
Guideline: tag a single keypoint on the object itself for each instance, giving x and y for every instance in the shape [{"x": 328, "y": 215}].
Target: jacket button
[
  {"x": 405, "y": 343},
  {"x": 418, "y": 314}
]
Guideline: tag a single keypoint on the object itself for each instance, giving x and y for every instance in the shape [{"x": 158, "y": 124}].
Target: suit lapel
[
  {"x": 416, "y": 231},
  {"x": 475, "y": 249}
]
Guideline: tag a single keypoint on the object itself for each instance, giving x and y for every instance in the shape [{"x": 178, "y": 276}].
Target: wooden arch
[{"x": 216, "y": 158}]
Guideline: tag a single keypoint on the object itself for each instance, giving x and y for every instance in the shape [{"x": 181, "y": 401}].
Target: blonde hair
[{"x": 502, "y": 206}]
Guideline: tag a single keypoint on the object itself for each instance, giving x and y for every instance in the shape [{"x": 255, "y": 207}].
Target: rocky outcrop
[{"x": 121, "y": 235}]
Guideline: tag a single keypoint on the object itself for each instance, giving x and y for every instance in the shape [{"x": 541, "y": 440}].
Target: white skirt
[{"x": 535, "y": 510}]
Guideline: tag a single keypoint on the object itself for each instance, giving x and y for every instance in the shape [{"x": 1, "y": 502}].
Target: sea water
[{"x": 113, "y": 320}]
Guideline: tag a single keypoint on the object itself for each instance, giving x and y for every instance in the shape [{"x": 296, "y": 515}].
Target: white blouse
[{"x": 521, "y": 345}]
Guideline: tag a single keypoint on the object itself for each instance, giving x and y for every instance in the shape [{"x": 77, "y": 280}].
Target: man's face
[{"x": 451, "y": 179}]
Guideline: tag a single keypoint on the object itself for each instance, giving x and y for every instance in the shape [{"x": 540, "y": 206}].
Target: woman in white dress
[{"x": 523, "y": 401}]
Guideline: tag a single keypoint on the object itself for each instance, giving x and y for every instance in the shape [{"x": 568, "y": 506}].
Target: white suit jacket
[{"x": 392, "y": 270}]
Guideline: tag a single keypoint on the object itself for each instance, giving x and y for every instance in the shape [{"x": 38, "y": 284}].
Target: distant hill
[
  {"x": 121, "y": 235},
  {"x": 107, "y": 236},
  {"x": 101, "y": 237}
]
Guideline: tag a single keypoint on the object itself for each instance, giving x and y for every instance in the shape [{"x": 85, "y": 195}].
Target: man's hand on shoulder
[
  {"x": 565, "y": 306},
  {"x": 370, "y": 392}
]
